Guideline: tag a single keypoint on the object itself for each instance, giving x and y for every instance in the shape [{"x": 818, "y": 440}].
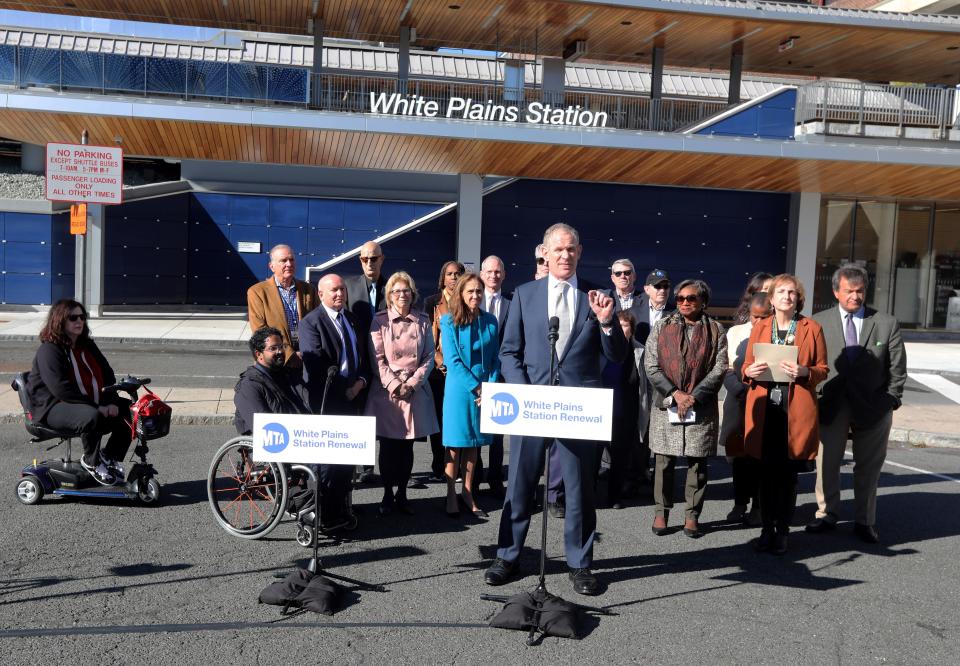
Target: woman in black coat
[{"x": 65, "y": 388}]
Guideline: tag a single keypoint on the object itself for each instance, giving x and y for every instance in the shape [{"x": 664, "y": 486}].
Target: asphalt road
[
  {"x": 188, "y": 366},
  {"x": 115, "y": 583}
]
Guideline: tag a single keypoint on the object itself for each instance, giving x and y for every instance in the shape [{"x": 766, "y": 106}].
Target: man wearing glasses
[
  {"x": 657, "y": 289},
  {"x": 366, "y": 295},
  {"x": 266, "y": 387},
  {"x": 281, "y": 301},
  {"x": 626, "y": 298}
]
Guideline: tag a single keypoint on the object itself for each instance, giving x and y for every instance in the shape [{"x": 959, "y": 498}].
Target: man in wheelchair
[
  {"x": 65, "y": 391},
  {"x": 268, "y": 387}
]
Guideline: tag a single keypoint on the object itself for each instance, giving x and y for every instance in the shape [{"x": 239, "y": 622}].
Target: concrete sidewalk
[{"x": 915, "y": 424}]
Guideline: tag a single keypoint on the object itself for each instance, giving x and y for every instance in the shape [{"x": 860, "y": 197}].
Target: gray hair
[
  {"x": 625, "y": 262},
  {"x": 279, "y": 246},
  {"x": 853, "y": 273},
  {"x": 558, "y": 228},
  {"x": 538, "y": 251},
  {"x": 703, "y": 290},
  {"x": 493, "y": 257}
]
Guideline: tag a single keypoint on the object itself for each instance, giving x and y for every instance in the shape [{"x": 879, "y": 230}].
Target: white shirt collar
[
  {"x": 552, "y": 282},
  {"x": 331, "y": 312},
  {"x": 856, "y": 315}
]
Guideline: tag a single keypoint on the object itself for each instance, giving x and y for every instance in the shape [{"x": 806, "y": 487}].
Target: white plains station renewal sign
[{"x": 462, "y": 108}]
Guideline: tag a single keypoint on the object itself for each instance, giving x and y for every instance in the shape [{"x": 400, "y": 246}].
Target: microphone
[
  {"x": 331, "y": 373},
  {"x": 554, "y": 333}
]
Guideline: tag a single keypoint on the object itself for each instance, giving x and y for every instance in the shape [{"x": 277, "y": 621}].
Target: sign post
[{"x": 89, "y": 177}]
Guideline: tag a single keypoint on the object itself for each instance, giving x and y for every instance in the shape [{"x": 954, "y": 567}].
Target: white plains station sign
[{"x": 463, "y": 108}]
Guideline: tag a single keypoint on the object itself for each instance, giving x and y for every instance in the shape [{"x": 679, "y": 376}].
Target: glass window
[
  {"x": 946, "y": 263},
  {"x": 911, "y": 264},
  {"x": 8, "y": 64},
  {"x": 513, "y": 79},
  {"x": 207, "y": 79},
  {"x": 873, "y": 248},
  {"x": 166, "y": 75},
  {"x": 39, "y": 67},
  {"x": 124, "y": 73},
  {"x": 833, "y": 248},
  {"x": 82, "y": 70}
]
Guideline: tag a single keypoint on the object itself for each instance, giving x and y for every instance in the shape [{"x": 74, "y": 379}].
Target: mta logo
[
  {"x": 275, "y": 438},
  {"x": 505, "y": 409}
]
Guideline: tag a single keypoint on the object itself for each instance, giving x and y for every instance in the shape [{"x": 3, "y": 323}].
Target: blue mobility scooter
[{"x": 150, "y": 419}]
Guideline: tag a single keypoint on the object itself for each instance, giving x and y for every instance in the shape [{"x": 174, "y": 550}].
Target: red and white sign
[{"x": 85, "y": 174}]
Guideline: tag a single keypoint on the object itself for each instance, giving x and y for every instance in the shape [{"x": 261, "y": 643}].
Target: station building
[{"x": 711, "y": 139}]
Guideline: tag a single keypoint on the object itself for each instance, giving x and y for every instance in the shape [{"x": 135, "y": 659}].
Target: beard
[{"x": 276, "y": 363}]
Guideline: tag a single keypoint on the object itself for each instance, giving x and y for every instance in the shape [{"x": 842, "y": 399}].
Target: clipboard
[{"x": 772, "y": 354}]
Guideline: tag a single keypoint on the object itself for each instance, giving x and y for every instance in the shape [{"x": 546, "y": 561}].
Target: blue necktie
[{"x": 347, "y": 345}]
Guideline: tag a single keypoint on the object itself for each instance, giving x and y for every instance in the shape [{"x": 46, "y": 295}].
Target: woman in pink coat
[{"x": 400, "y": 396}]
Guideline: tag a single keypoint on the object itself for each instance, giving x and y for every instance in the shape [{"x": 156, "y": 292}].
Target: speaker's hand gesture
[{"x": 601, "y": 304}]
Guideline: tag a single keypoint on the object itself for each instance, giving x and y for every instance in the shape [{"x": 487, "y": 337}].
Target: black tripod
[
  {"x": 316, "y": 564},
  {"x": 540, "y": 595}
]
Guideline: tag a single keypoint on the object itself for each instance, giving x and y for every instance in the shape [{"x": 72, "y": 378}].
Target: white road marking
[
  {"x": 922, "y": 471},
  {"x": 941, "y": 385}
]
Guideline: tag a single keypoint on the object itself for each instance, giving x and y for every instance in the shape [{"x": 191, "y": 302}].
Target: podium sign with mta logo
[
  {"x": 565, "y": 412},
  {"x": 298, "y": 438}
]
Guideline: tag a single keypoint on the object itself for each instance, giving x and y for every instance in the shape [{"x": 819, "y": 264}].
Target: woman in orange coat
[{"x": 781, "y": 417}]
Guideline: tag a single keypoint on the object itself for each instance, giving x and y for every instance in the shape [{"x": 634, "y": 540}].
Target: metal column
[{"x": 469, "y": 219}]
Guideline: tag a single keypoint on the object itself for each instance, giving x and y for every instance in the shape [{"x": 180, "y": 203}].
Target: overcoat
[{"x": 803, "y": 435}]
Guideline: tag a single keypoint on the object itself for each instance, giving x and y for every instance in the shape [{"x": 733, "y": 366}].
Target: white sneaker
[
  {"x": 115, "y": 467},
  {"x": 100, "y": 473}
]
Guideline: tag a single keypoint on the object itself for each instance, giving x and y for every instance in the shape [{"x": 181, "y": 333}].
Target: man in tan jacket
[{"x": 281, "y": 301}]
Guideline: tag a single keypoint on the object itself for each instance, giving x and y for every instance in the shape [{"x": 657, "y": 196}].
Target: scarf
[
  {"x": 686, "y": 362},
  {"x": 86, "y": 372}
]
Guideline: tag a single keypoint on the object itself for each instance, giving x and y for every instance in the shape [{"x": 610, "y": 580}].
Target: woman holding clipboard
[{"x": 786, "y": 358}]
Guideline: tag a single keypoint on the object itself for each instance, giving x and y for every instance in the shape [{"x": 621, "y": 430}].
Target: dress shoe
[
  {"x": 557, "y": 509},
  {"x": 691, "y": 528},
  {"x": 404, "y": 508},
  {"x": 497, "y": 490},
  {"x": 480, "y": 513},
  {"x": 500, "y": 572},
  {"x": 384, "y": 510},
  {"x": 867, "y": 533},
  {"x": 764, "y": 543},
  {"x": 616, "y": 505},
  {"x": 779, "y": 546},
  {"x": 416, "y": 483},
  {"x": 737, "y": 513},
  {"x": 584, "y": 582},
  {"x": 366, "y": 476},
  {"x": 659, "y": 526},
  {"x": 820, "y": 525},
  {"x": 753, "y": 519}
]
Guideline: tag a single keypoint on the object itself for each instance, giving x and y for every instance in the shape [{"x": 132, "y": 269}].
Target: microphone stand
[
  {"x": 316, "y": 565},
  {"x": 540, "y": 595}
]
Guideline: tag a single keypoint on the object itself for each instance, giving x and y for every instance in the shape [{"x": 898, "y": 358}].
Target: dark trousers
[
  {"x": 555, "y": 489},
  {"x": 695, "y": 488},
  {"x": 746, "y": 480},
  {"x": 86, "y": 422},
  {"x": 778, "y": 473},
  {"x": 396, "y": 463},
  {"x": 335, "y": 484},
  {"x": 575, "y": 459},
  {"x": 438, "y": 461},
  {"x": 494, "y": 469},
  {"x": 622, "y": 452}
]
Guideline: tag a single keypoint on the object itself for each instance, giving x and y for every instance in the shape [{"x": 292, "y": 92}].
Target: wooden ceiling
[
  {"x": 695, "y": 38},
  {"x": 367, "y": 150}
]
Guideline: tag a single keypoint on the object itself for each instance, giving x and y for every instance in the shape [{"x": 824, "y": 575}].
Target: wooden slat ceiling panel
[
  {"x": 206, "y": 141},
  {"x": 612, "y": 33}
]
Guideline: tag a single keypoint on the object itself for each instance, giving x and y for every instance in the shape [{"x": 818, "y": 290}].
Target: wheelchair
[
  {"x": 66, "y": 477},
  {"x": 249, "y": 499}
]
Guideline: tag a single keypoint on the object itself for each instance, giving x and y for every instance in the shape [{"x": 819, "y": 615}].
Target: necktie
[
  {"x": 850, "y": 332},
  {"x": 347, "y": 345},
  {"x": 492, "y": 305},
  {"x": 562, "y": 311},
  {"x": 373, "y": 298}
]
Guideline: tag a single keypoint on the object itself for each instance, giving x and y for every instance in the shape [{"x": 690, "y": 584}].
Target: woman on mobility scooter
[{"x": 66, "y": 391}]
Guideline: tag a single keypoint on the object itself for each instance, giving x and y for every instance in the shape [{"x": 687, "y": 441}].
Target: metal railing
[
  {"x": 866, "y": 104},
  {"x": 252, "y": 83}
]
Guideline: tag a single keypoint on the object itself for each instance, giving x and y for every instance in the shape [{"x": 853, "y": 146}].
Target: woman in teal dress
[{"x": 471, "y": 353}]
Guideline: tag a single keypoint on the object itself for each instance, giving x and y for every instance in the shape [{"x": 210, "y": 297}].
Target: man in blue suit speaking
[{"x": 587, "y": 333}]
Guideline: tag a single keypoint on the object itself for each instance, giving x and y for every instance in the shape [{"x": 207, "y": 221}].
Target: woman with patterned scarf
[{"x": 686, "y": 356}]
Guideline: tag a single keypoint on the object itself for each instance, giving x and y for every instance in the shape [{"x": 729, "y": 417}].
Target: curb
[
  {"x": 922, "y": 439},
  {"x": 182, "y": 419},
  {"x": 182, "y": 342}
]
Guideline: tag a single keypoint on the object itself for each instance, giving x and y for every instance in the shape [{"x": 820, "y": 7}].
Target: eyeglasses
[
  {"x": 371, "y": 260},
  {"x": 662, "y": 286},
  {"x": 541, "y": 261},
  {"x": 401, "y": 292},
  {"x": 276, "y": 348},
  {"x": 687, "y": 299},
  {"x": 626, "y": 273},
  {"x": 77, "y": 317}
]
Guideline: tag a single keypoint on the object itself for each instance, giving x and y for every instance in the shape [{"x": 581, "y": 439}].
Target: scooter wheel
[
  {"x": 148, "y": 492},
  {"x": 29, "y": 490}
]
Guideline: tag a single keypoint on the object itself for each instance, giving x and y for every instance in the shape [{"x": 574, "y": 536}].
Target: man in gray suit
[
  {"x": 868, "y": 368},
  {"x": 492, "y": 274}
]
